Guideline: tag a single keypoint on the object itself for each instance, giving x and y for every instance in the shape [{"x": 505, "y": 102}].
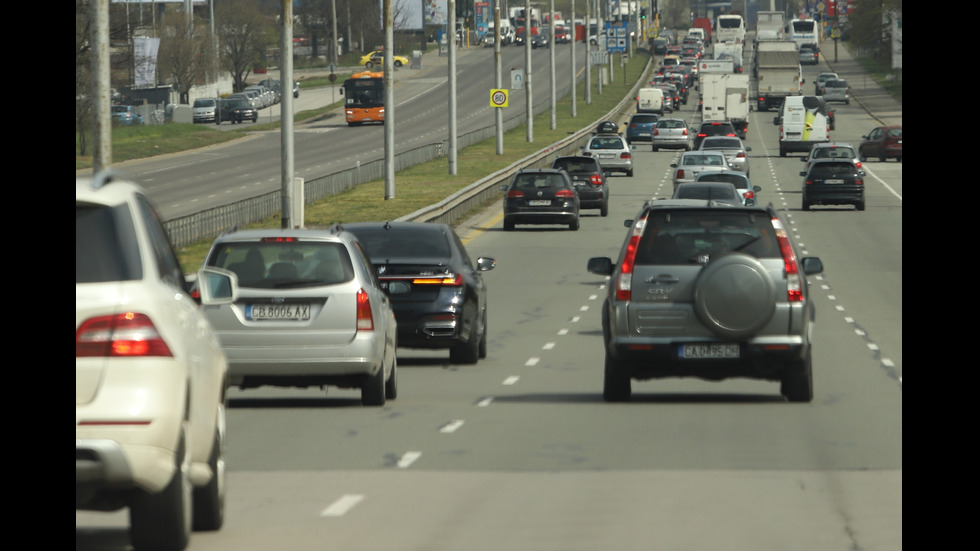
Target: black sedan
[
  {"x": 541, "y": 196},
  {"x": 446, "y": 306},
  {"x": 833, "y": 182},
  {"x": 539, "y": 40},
  {"x": 590, "y": 181}
]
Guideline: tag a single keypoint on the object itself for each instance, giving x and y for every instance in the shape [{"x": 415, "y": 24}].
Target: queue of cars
[{"x": 243, "y": 106}]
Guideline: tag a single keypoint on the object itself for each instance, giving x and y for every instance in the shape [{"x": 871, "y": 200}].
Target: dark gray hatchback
[{"x": 706, "y": 290}]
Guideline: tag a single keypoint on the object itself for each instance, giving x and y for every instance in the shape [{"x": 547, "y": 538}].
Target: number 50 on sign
[{"x": 498, "y": 98}]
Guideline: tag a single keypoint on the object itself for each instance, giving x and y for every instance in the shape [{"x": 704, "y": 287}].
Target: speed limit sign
[{"x": 498, "y": 98}]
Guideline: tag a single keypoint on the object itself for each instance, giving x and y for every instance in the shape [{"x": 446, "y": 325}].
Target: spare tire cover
[{"x": 735, "y": 296}]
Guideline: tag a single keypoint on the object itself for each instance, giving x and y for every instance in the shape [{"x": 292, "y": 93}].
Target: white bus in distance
[
  {"x": 803, "y": 31},
  {"x": 729, "y": 28}
]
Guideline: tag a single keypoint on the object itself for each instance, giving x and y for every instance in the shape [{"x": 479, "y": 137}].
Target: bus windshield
[{"x": 364, "y": 92}]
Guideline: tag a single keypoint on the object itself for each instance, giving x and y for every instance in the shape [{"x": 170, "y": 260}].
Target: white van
[
  {"x": 803, "y": 122},
  {"x": 650, "y": 100}
]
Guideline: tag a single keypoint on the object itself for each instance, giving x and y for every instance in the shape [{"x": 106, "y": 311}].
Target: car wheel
[
  {"x": 573, "y": 226},
  {"x": 859, "y": 205},
  {"x": 882, "y": 158},
  {"x": 369, "y": 65},
  {"x": 398, "y": 63},
  {"x": 782, "y": 152},
  {"x": 797, "y": 384},
  {"x": 508, "y": 225},
  {"x": 482, "y": 352},
  {"x": 616, "y": 385},
  {"x": 806, "y": 205},
  {"x": 734, "y": 296},
  {"x": 163, "y": 520},
  {"x": 391, "y": 385},
  {"x": 209, "y": 500},
  {"x": 373, "y": 389},
  {"x": 604, "y": 209},
  {"x": 465, "y": 352},
  {"x": 629, "y": 173},
  {"x": 653, "y": 148}
]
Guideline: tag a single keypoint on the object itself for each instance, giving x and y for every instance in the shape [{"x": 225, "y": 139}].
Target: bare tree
[
  {"x": 315, "y": 19},
  {"x": 185, "y": 54},
  {"x": 244, "y": 33}
]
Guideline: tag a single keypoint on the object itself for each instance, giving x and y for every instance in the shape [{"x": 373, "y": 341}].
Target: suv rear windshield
[
  {"x": 680, "y": 237},
  {"x": 280, "y": 265},
  {"x": 105, "y": 245}
]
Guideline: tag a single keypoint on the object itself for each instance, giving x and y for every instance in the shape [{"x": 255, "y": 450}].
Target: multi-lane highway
[
  {"x": 521, "y": 453},
  {"x": 192, "y": 182}
]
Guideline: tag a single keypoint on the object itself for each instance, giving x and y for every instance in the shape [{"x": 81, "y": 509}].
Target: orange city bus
[{"x": 365, "y": 98}]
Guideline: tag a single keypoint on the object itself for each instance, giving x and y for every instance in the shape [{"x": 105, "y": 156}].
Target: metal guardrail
[{"x": 210, "y": 223}]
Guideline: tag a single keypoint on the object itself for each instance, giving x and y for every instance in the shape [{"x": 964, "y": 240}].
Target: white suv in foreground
[{"x": 150, "y": 375}]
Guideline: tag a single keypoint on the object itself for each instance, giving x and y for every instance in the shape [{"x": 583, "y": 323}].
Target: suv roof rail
[{"x": 103, "y": 177}]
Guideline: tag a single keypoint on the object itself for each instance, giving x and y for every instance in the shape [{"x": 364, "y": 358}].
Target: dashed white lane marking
[
  {"x": 484, "y": 402},
  {"x": 340, "y": 507},
  {"x": 452, "y": 426},
  {"x": 531, "y": 362},
  {"x": 548, "y": 346},
  {"x": 511, "y": 380},
  {"x": 407, "y": 459}
]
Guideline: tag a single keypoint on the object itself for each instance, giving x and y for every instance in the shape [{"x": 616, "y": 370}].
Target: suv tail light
[
  {"x": 120, "y": 335},
  {"x": 624, "y": 285},
  {"x": 624, "y": 155},
  {"x": 680, "y": 174},
  {"x": 596, "y": 180},
  {"x": 365, "y": 320},
  {"x": 685, "y": 132},
  {"x": 565, "y": 193},
  {"x": 515, "y": 194},
  {"x": 794, "y": 283}
]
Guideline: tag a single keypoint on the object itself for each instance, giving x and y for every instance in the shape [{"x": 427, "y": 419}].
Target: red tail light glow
[
  {"x": 596, "y": 180},
  {"x": 129, "y": 334},
  {"x": 515, "y": 194},
  {"x": 794, "y": 283},
  {"x": 624, "y": 156},
  {"x": 565, "y": 193},
  {"x": 624, "y": 285},
  {"x": 365, "y": 320}
]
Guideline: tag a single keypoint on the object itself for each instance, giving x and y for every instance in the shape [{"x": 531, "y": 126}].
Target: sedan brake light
[
  {"x": 565, "y": 193},
  {"x": 120, "y": 335},
  {"x": 515, "y": 194}
]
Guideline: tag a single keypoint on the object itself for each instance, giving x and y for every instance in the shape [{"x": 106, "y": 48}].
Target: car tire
[
  {"x": 806, "y": 205},
  {"x": 782, "y": 152},
  {"x": 508, "y": 225},
  {"x": 398, "y": 63},
  {"x": 162, "y": 521},
  {"x": 616, "y": 385},
  {"x": 654, "y": 148},
  {"x": 573, "y": 226},
  {"x": 882, "y": 159},
  {"x": 797, "y": 384},
  {"x": 604, "y": 209},
  {"x": 859, "y": 205},
  {"x": 391, "y": 385},
  {"x": 465, "y": 352},
  {"x": 209, "y": 500},
  {"x": 629, "y": 173},
  {"x": 369, "y": 65},
  {"x": 482, "y": 349},
  {"x": 373, "y": 389},
  {"x": 734, "y": 296}
]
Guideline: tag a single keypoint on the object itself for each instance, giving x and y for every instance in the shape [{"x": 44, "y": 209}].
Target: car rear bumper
[
  {"x": 767, "y": 359},
  {"x": 833, "y": 194},
  {"x": 541, "y": 217}
]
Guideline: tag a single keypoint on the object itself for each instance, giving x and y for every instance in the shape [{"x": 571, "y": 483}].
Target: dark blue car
[{"x": 640, "y": 127}]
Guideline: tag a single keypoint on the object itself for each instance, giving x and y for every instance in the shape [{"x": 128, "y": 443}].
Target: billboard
[{"x": 435, "y": 12}]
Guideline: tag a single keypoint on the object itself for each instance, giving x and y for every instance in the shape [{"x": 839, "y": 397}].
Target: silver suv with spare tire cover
[{"x": 702, "y": 289}]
